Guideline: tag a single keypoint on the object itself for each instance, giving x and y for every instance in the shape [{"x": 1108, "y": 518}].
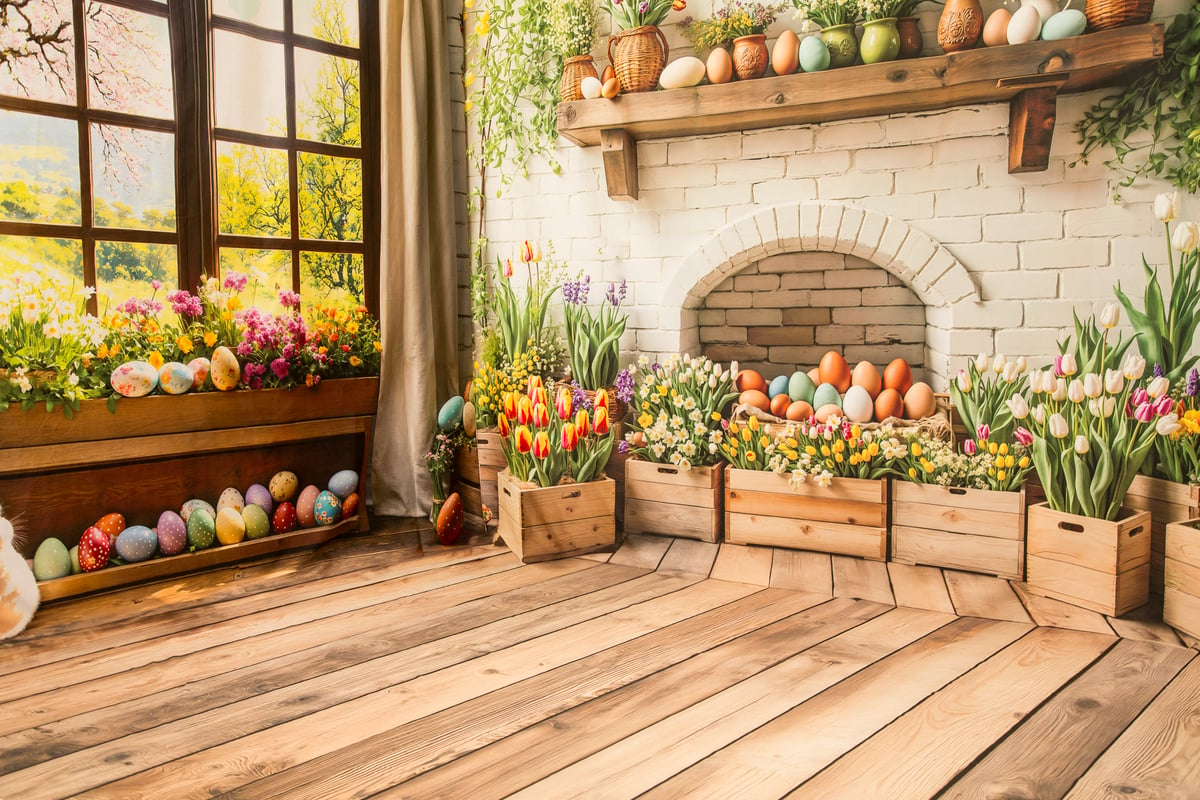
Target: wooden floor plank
[
  {"x": 640, "y": 761},
  {"x": 743, "y": 564},
  {"x": 1146, "y": 624},
  {"x": 924, "y": 749},
  {"x": 920, "y": 587},
  {"x": 689, "y": 556},
  {"x": 984, "y": 596},
  {"x": 857, "y": 577},
  {"x": 1156, "y": 756},
  {"x": 1056, "y": 614},
  {"x": 772, "y": 759},
  {"x": 244, "y": 758},
  {"x": 1076, "y": 725},
  {"x": 802, "y": 570},
  {"x": 602, "y": 557},
  {"x": 540, "y": 750},
  {"x": 639, "y": 550}
]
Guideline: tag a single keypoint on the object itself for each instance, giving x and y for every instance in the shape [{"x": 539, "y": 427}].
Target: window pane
[
  {"x": 129, "y": 61},
  {"x": 252, "y": 190},
  {"x": 327, "y": 98},
  {"x": 267, "y": 13},
  {"x": 331, "y": 279},
  {"x": 134, "y": 178},
  {"x": 126, "y": 269},
  {"x": 24, "y": 253},
  {"x": 249, "y": 84},
  {"x": 331, "y": 20},
  {"x": 39, "y": 169},
  {"x": 268, "y": 272},
  {"x": 330, "y": 197},
  {"x": 38, "y": 45}
]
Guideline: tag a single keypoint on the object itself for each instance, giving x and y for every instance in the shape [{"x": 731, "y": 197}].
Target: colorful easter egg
[
  {"x": 175, "y": 378},
  {"x": 469, "y": 418},
  {"x": 230, "y": 498},
  {"x": 451, "y": 413},
  {"x": 350, "y": 506},
  {"x": 231, "y": 528},
  {"x": 284, "y": 519},
  {"x": 304, "y": 506},
  {"x": 134, "y": 379},
  {"x": 257, "y": 523},
  {"x": 201, "y": 529},
  {"x": 172, "y": 533},
  {"x": 259, "y": 495},
  {"x": 94, "y": 549},
  {"x": 225, "y": 371},
  {"x": 136, "y": 543},
  {"x": 200, "y": 368},
  {"x": 327, "y": 509},
  {"x": 283, "y": 486},
  {"x": 112, "y": 524},
  {"x": 52, "y": 560},
  {"x": 450, "y": 520},
  {"x": 191, "y": 505},
  {"x": 343, "y": 483}
]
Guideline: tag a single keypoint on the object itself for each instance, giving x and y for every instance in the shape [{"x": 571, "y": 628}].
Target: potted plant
[
  {"x": 980, "y": 395},
  {"x": 836, "y": 18},
  {"x": 742, "y": 26},
  {"x": 593, "y": 338},
  {"x": 881, "y": 37},
  {"x": 573, "y": 35},
  {"x": 673, "y": 485},
  {"x": 638, "y": 50}
]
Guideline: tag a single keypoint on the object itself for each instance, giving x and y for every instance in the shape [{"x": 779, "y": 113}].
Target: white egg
[
  {"x": 1045, "y": 8},
  {"x": 686, "y": 71},
  {"x": 1025, "y": 25},
  {"x": 590, "y": 87},
  {"x": 858, "y": 404}
]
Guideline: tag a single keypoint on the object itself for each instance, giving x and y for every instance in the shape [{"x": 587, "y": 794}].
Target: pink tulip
[
  {"x": 969, "y": 447},
  {"x": 1163, "y": 406},
  {"x": 983, "y": 431},
  {"x": 1024, "y": 436},
  {"x": 1140, "y": 396},
  {"x": 1144, "y": 412}
]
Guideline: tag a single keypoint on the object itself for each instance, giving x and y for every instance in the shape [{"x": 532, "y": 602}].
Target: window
[{"x": 117, "y": 169}]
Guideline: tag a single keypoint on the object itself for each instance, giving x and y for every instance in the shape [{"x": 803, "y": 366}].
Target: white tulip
[
  {"x": 1069, "y": 367},
  {"x": 1058, "y": 426},
  {"x": 999, "y": 364},
  {"x": 1167, "y": 425},
  {"x": 1092, "y": 386},
  {"x": 1039, "y": 414},
  {"x": 1134, "y": 367},
  {"x": 1166, "y": 206},
  {"x": 1011, "y": 372},
  {"x": 1075, "y": 392},
  {"x": 1114, "y": 381},
  {"x": 981, "y": 362},
  {"x": 1018, "y": 406},
  {"x": 1036, "y": 381},
  {"x": 1158, "y": 387},
  {"x": 1110, "y": 316},
  {"x": 1060, "y": 390},
  {"x": 1110, "y": 405},
  {"x": 1186, "y": 237},
  {"x": 1021, "y": 365},
  {"x": 963, "y": 379},
  {"x": 1082, "y": 445}
]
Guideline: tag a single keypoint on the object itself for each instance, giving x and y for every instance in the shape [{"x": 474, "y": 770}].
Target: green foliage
[
  {"x": 731, "y": 20},
  {"x": 634, "y": 13},
  {"x": 1162, "y": 101},
  {"x": 1091, "y": 350},
  {"x": 573, "y": 27},
  {"x": 828, "y": 13}
]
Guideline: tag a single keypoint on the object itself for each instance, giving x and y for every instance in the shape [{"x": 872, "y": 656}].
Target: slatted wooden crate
[
  {"x": 543, "y": 523},
  {"x": 668, "y": 500},
  {"x": 475, "y": 471},
  {"x": 969, "y": 529},
  {"x": 1092, "y": 563},
  {"x": 849, "y": 517},
  {"x": 1181, "y": 592},
  {"x": 1167, "y": 502}
]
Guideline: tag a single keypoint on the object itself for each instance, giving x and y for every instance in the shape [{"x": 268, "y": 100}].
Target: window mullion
[{"x": 86, "y": 205}]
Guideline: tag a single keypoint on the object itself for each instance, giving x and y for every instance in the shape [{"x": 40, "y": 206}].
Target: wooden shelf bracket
[{"x": 619, "y": 151}]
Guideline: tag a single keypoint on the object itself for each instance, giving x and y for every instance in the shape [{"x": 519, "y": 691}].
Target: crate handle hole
[
  {"x": 568, "y": 495},
  {"x": 1135, "y": 531},
  {"x": 1074, "y": 527},
  {"x": 507, "y": 492},
  {"x": 957, "y": 490},
  {"x": 669, "y": 470}
]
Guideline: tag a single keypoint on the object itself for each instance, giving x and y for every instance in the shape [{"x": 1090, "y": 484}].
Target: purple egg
[
  {"x": 259, "y": 495},
  {"x": 172, "y": 533}
]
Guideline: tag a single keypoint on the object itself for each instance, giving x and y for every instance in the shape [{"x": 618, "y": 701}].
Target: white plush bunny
[{"x": 18, "y": 588}]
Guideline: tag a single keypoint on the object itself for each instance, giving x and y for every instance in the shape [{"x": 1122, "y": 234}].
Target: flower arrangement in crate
[
  {"x": 1179, "y": 453},
  {"x": 980, "y": 395}
]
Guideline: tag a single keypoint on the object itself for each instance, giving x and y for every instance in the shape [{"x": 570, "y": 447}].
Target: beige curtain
[{"x": 417, "y": 280}]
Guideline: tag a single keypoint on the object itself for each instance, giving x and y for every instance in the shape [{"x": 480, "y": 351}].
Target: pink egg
[{"x": 305, "y": 506}]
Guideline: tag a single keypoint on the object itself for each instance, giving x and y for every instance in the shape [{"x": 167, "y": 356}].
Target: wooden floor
[{"x": 388, "y": 666}]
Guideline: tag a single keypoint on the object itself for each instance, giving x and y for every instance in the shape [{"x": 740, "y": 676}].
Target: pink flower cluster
[{"x": 185, "y": 304}]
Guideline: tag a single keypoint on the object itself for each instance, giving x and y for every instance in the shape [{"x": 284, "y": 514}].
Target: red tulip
[
  {"x": 570, "y": 437},
  {"x": 524, "y": 440},
  {"x": 535, "y": 383},
  {"x": 600, "y": 423},
  {"x": 583, "y": 423},
  {"x": 508, "y": 269},
  {"x": 601, "y": 400},
  {"x": 524, "y": 411},
  {"x": 510, "y": 404},
  {"x": 505, "y": 428},
  {"x": 541, "y": 445},
  {"x": 526, "y": 252},
  {"x": 541, "y": 416},
  {"x": 562, "y": 404}
]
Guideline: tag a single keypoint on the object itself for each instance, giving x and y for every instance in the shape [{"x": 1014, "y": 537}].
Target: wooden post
[
  {"x": 1031, "y": 129},
  {"x": 620, "y": 163}
]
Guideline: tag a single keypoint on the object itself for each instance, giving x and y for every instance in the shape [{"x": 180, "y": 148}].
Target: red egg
[
  {"x": 112, "y": 524},
  {"x": 284, "y": 519},
  {"x": 94, "y": 549},
  {"x": 898, "y": 376},
  {"x": 889, "y": 403},
  {"x": 756, "y": 398},
  {"x": 450, "y": 520},
  {"x": 780, "y": 404}
]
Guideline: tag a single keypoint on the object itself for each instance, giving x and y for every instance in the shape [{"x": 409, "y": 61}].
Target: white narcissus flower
[
  {"x": 1075, "y": 392},
  {"x": 1134, "y": 367},
  {"x": 1167, "y": 425},
  {"x": 1166, "y": 206},
  {"x": 1082, "y": 445},
  {"x": 1114, "y": 381},
  {"x": 1018, "y": 406},
  {"x": 1158, "y": 387},
  {"x": 1186, "y": 237},
  {"x": 1058, "y": 426},
  {"x": 1092, "y": 385},
  {"x": 1110, "y": 316}
]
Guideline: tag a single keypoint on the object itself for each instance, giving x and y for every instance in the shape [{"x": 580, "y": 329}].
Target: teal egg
[
  {"x": 136, "y": 543},
  {"x": 327, "y": 509},
  {"x": 451, "y": 414},
  {"x": 258, "y": 524},
  {"x": 201, "y": 529},
  {"x": 801, "y": 387},
  {"x": 814, "y": 54},
  {"x": 1064, "y": 24},
  {"x": 52, "y": 560},
  {"x": 825, "y": 394},
  {"x": 778, "y": 386}
]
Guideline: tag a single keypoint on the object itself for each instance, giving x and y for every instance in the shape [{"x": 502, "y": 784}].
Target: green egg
[
  {"x": 52, "y": 560},
  {"x": 201, "y": 529},
  {"x": 825, "y": 394},
  {"x": 257, "y": 523},
  {"x": 75, "y": 568},
  {"x": 800, "y": 387}
]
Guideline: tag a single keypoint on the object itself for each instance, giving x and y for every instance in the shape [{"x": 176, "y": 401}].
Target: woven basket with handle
[
  {"x": 1104, "y": 14},
  {"x": 575, "y": 69},
  {"x": 638, "y": 56}
]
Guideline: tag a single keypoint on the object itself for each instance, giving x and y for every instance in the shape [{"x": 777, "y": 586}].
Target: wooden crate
[
  {"x": 1092, "y": 563},
  {"x": 539, "y": 524},
  {"x": 1167, "y": 502},
  {"x": 976, "y": 530},
  {"x": 475, "y": 471},
  {"x": 615, "y": 469},
  {"x": 849, "y": 517},
  {"x": 1181, "y": 592},
  {"x": 667, "y": 500}
]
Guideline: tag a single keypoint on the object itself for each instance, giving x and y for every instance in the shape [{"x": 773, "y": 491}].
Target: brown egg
[
  {"x": 889, "y": 403},
  {"x": 719, "y": 66},
  {"x": 798, "y": 410},
  {"x": 826, "y": 411},
  {"x": 898, "y": 376},
  {"x": 749, "y": 379},
  {"x": 779, "y": 404},
  {"x": 995, "y": 30},
  {"x": 610, "y": 89},
  {"x": 866, "y": 376},
  {"x": 607, "y": 75},
  {"x": 919, "y": 401},
  {"x": 785, "y": 55},
  {"x": 753, "y": 397},
  {"x": 835, "y": 370}
]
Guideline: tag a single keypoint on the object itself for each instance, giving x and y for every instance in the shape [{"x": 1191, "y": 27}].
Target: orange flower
[
  {"x": 601, "y": 400},
  {"x": 541, "y": 416},
  {"x": 678, "y": 5},
  {"x": 524, "y": 440},
  {"x": 510, "y": 404},
  {"x": 600, "y": 423},
  {"x": 184, "y": 343},
  {"x": 541, "y": 445},
  {"x": 535, "y": 383},
  {"x": 524, "y": 411},
  {"x": 526, "y": 252},
  {"x": 502, "y": 424},
  {"x": 570, "y": 437},
  {"x": 562, "y": 404},
  {"x": 210, "y": 339},
  {"x": 355, "y": 361},
  {"x": 583, "y": 423}
]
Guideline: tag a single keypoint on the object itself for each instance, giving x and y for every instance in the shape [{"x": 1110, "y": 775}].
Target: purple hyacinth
[
  {"x": 1193, "y": 383},
  {"x": 624, "y": 385},
  {"x": 576, "y": 292},
  {"x": 579, "y": 398},
  {"x": 616, "y": 294},
  {"x": 1159, "y": 372},
  {"x": 622, "y": 446}
]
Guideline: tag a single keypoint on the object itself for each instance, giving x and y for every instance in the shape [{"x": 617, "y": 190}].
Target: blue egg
[
  {"x": 778, "y": 386},
  {"x": 327, "y": 509},
  {"x": 451, "y": 414},
  {"x": 814, "y": 54},
  {"x": 136, "y": 543},
  {"x": 344, "y": 483},
  {"x": 1064, "y": 24}
]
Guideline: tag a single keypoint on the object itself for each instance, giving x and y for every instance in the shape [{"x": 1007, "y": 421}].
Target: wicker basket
[
  {"x": 1105, "y": 14},
  {"x": 638, "y": 56},
  {"x": 575, "y": 69}
]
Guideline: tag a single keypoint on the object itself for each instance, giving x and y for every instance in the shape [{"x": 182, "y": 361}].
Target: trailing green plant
[
  {"x": 573, "y": 27},
  {"x": 1163, "y": 102}
]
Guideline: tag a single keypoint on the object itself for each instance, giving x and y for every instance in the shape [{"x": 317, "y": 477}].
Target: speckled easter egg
[
  {"x": 284, "y": 519},
  {"x": 350, "y": 506},
  {"x": 201, "y": 529},
  {"x": 231, "y": 528},
  {"x": 172, "y": 533},
  {"x": 94, "y": 549},
  {"x": 344, "y": 483},
  {"x": 450, "y": 520},
  {"x": 451, "y": 413},
  {"x": 52, "y": 560},
  {"x": 175, "y": 378},
  {"x": 283, "y": 486},
  {"x": 191, "y": 505},
  {"x": 136, "y": 543},
  {"x": 134, "y": 379},
  {"x": 327, "y": 509},
  {"x": 200, "y": 368},
  {"x": 230, "y": 498},
  {"x": 225, "y": 371},
  {"x": 257, "y": 523},
  {"x": 112, "y": 524},
  {"x": 259, "y": 495},
  {"x": 469, "y": 418},
  {"x": 304, "y": 506}
]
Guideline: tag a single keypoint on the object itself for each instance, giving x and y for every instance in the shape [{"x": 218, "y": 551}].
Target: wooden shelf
[{"x": 1028, "y": 76}]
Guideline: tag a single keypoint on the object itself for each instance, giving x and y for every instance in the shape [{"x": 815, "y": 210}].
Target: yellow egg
[
  {"x": 919, "y": 401},
  {"x": 231, "y": 526},
  {"x": 225, "y": 372}
]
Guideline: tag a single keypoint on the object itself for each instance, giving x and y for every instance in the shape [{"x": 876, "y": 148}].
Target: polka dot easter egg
[
  {"x": 134, "y": 379},
  {"x": 136, "y": 543},
  {"x": 94, "y": 549},
  {"x": 259, "y": 495},
  {"x": 201, "y": 529},
  {"x": 231, "y": 498},
  {"x": 283, "y": 486},
  {"x": 112, "y": 524},
  {"x": 344, "y": 483},
  {"x": 172, "y": 533},
  {"x": 327, "y": 509},
  {"x": 284, "y": 519},
  {"x": 256, "y": 521},
  {"x": 192, "y": 505},
  {"x": 225, "y": 371},
  {"x": 304, "y": 506}
]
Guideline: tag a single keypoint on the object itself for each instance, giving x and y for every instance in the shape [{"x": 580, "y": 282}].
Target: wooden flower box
[
  {"x": 667, "y": 500},
  {"x": 976, "y": 530},
  {"x": 1092, "y": 563},
  {"x": 1167, "y": 502},
  {"x": 1181, "y": 592},
  {"x": 543, "y": 523},
  {"x": 849, "y": 517},
  {"x": 475, "y": 471},
  {"x": 58, "y": 476}
]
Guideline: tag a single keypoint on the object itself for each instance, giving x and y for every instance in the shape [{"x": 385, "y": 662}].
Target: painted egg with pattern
[
  {"x": 343, "y": 483},
  {"x": 284, "y": 519},
  {"x": 175, "y": 378},
  {"x": 257, "y": 523},
  {"x": 451, "y": 413},
  {"x": 52, "y": 560},
  {"x": 283, "y": 486},
  {"x": 304, "y": 506},
  {"x": 231, "y": 528},
  {"x": 136, "y": 543},
  {"x": 112, "y": 524},
  {"x": 231, "y": 498},
  {"x": 225, "y": 371},
  {"x": 200, "y": 368},
  {"x": 201, "y": 529},
  {"x": 327, "y": 509},
  {"x": 134, "y": 379},
  {"x": 94, "y": 549},
  {"x": 259, "y": 495},
  {"x": 469, "y": 418},
  {"x": 450, "y": 520},
  {"x": 350, "y": 506},
  {"x": 191, "y": 505},
  {"x": 172, "y": 533}
]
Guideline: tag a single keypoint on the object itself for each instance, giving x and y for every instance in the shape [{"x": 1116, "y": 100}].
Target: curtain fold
[{"x": 418, "y": 262}]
